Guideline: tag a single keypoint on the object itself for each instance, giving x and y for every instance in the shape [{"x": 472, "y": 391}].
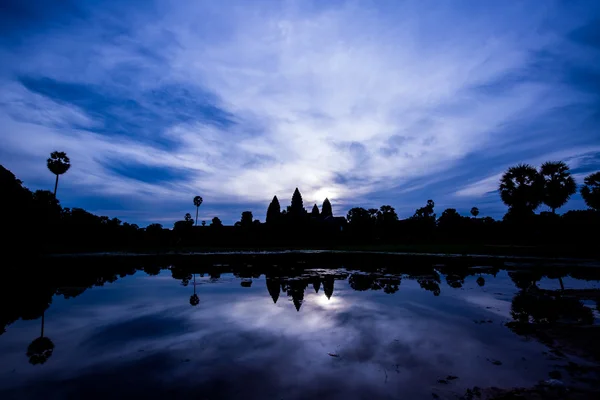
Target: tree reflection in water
[{"x": 530, "y": 306}]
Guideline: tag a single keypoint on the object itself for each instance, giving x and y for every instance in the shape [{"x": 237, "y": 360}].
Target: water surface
[{"x": 219, "y": 333}]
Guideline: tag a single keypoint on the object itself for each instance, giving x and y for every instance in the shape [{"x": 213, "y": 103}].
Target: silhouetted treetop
[
  {"x": 216, "y": 222},
  {"x": 358, "y": 216},
  {"x": 522, "y": 188},
  {"x": 559, "y": 185},
  {"x": 475, "y": 212},
  {"x": 197, "y": 202},
  {"x": 387, "y": 214},
  {"x": 58, "y": 164},
  {"x": 591, "y": 191},
  {"x": 425, "y": 212}
]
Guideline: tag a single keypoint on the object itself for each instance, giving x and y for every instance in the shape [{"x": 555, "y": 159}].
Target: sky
[{"x": 364, "y": 102}]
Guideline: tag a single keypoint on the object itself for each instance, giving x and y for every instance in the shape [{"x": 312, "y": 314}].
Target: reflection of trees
[
  {"x": 152, "y": 270},
  {"x": 181, "y": 274},
  {"x": 455, "y": 281},
  {"x": 359, "y": 281},
  {"x": 194, "y": 299},
  {"x": 40, "y": 350},
  {"x": 542, "y": 307},
  {"x": 481, "y": 281},
  {"x": 525, "y": 279},
  {"x": 362, "y": 282},
  {"x": 431, "y": 283}
]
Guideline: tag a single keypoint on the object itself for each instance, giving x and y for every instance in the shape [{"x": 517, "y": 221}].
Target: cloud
[{"x": 238, "y": 102}]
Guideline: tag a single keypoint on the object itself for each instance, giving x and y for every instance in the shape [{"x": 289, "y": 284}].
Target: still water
[{"x": 332, "y": 333}]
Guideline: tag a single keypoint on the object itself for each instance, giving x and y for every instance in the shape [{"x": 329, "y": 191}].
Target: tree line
[{"x": 37, "y": 217}]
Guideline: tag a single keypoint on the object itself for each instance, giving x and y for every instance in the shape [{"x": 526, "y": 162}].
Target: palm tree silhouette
[
  {"x": 522, "y": 188},
  {"x": 40, "y": 350},
  {"x": 559, "y": 185},
  {"x": 475, "y": 211},
  {"x": 194, "y": 299},
  {"x": 58, "y": 164},
  {"x": 591, "y": 191},
  {"x": 197, "y": 201}
]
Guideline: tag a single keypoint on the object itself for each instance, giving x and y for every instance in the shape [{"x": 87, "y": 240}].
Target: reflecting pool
[{"x": 272, "y": 332}]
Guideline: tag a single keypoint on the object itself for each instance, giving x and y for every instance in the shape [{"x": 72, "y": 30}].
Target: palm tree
[
  {"x": 58, "y": 164},
  {"x": 197, "y": 202},
  {"x": 40, "y": 350},
  {"x": 475, "y": 212},
  {"x": 591, "y": 191},
  {"x": 559, "y": 185},
  {"x": 522, "y": 188}
]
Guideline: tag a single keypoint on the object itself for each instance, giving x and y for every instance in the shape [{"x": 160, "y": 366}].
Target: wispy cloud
[{"x": 357, "y": 101}]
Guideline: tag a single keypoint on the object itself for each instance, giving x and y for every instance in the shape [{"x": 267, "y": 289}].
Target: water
[{"x": 338, "y": 333}]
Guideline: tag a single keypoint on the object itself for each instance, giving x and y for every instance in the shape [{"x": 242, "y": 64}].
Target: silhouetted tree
[
  {"x": 315, "y": 211},
  {"x": 274, "y": 211},
  {"x": 154, "y": 228},
  {"x": 591, "y": 191},
  {"x": 58, "y": 164},
  {"x": 326, "y": 210},
  {"x": 387, "y": 215},
  {"x": 450, "y": 221},
  {"x": 427, "y": 211},
  {"x": 475, "y": 212},
  {"x": 559, "y": 185},
  {"x": 216, "y": 222},
  {"x": 521, "y": 189},
  {"x": 359, "y": 216},
  {"x": 203, "y": 223},
  {"x": 183, "y": 227},
  {"x": 246, "y": 220},
  {"x": 197, "y": 202},
  {"x": 46, "y": 206},
  {"x": 481, "y": 281}
]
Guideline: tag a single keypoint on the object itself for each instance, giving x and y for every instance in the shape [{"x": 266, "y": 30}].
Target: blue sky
[{"x": 364, "y": 102}]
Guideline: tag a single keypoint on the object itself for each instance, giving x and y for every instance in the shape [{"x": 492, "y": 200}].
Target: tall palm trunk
[
  {"x": 196, "y": 216},
  {"x": 55, "y": 185}
]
